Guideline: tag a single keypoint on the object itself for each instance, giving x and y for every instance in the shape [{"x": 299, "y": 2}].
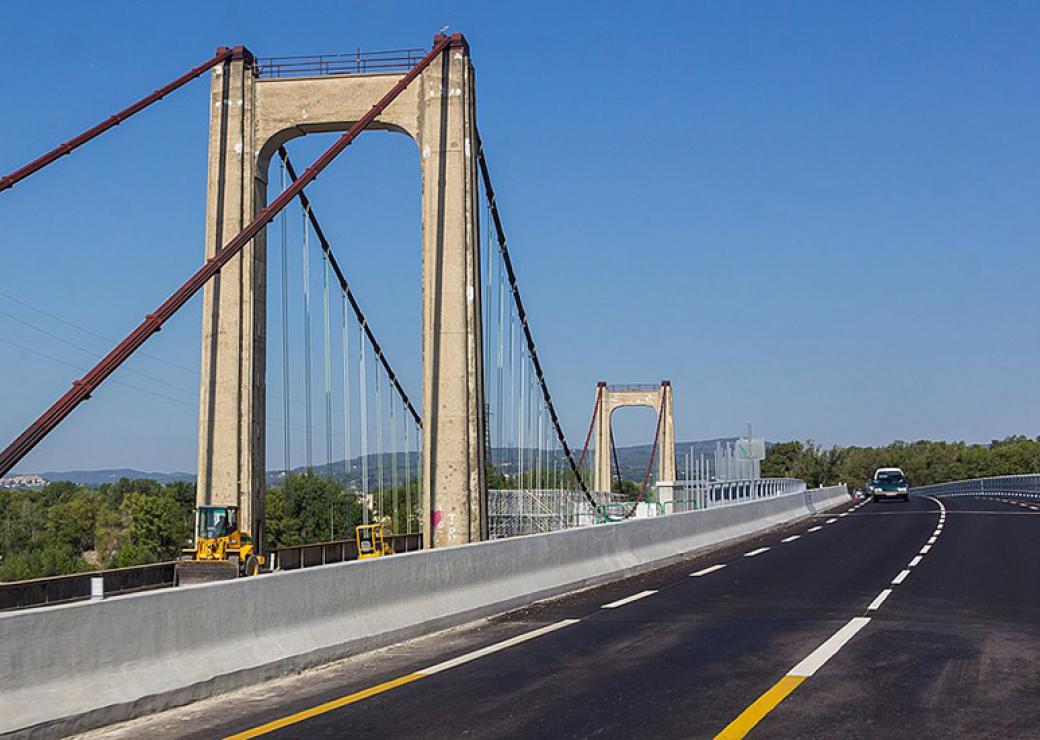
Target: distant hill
[
  {"x": 111, "y": 475},
  {"x": 633, "y": 462}
]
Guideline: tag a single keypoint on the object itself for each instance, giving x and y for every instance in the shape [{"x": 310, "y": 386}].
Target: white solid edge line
[
  {"x": 900, "y": 578},
  {"x": 496, "y": 647},
  {"x": 879, "y": 599},
  {"x": 753, "y": 553},
  {"x": 814, "y": 529},
  {"x": 815, "y": 660},
  {"x": 925, "y": 549},
  {"x": 792, "y": 538},
  {"x": 708, "y": 570},
  {"x": 916, "y": 561},
  {"x": 628, "y": 599}
]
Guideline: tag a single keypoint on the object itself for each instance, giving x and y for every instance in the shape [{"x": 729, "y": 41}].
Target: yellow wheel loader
[{"x": 222, "y": 550}]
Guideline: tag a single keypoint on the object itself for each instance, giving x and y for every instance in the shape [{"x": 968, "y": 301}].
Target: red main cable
[
  {"x": 223, "y": 53},
  {"x": 82, "y": 388}
]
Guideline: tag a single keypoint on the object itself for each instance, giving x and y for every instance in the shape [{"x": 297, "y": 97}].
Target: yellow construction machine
[
  {"x": 222, "y": 550},
  {"x": 371, "y": 542}
]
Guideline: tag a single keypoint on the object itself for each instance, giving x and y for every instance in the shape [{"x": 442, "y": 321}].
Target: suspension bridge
[
  {"x": 458, "y": 472},
  {"x": 489, "y": 401}
]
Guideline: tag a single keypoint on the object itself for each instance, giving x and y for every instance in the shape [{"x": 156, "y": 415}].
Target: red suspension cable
[
  {"x": 653, "y": 456},
  {"x": 223, "y": 53},
  {"x": 82, "y": 388},
  {"x": 592, "y": 424}
]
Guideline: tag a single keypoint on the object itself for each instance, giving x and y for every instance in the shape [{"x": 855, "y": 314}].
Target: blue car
[{"x": 889, "y": 483}]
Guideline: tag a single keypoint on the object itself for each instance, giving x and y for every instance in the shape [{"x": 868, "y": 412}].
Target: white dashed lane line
[
  {"x": 629, "y": 599},
  {"x": 706, "y": 571},
  {"x": 754, "y": 713},
  {"x": 468, "y": 657},
  {"x": 879, "y": 600},
  {"x": 750, "y": 554}
]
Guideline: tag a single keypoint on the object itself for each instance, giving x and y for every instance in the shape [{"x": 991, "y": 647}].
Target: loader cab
[{"x": 216, "y": 521}]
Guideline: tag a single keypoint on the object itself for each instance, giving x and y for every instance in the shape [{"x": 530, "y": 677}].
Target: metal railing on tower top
[{"x": 352, "y": 63}]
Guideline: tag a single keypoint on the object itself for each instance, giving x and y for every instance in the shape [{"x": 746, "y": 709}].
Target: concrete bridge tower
[
  {"x": 251, "y": 115},
  {"x": 659, "y": 398}
]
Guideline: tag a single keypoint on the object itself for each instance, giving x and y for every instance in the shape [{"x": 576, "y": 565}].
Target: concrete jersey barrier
[{"x": 83, "y": 665}]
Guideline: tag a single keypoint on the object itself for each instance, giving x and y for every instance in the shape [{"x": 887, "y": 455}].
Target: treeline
[
  {"x": 924, "y": 462},
  {"x": 68, "y": 528}
]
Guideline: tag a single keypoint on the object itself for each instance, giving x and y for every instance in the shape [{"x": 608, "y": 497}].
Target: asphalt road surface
[{"x": 887, "y": 620}]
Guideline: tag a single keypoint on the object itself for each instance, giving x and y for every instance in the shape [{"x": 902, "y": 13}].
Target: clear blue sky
[{"x": 820, "y": 217}]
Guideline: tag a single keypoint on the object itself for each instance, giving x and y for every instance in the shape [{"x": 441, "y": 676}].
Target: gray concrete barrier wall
[{"x": 83, "y": 665}]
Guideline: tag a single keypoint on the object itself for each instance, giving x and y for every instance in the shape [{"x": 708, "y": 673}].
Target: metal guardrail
[
  {"x": 518, "y": 512},
  {"x": 695, "y": 495},
  {"x": 77, "y": 586},
  {"x": 1027, "y": 486},
  {"x": 334, "y": 551},
  {"x": 351, "y": 63}
]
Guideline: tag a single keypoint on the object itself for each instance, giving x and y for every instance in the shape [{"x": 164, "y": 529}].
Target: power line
[
  {"x": 90, "y": 352},
  {"x": 79, "y": 368},
  {"x": 93, "y": 333}
]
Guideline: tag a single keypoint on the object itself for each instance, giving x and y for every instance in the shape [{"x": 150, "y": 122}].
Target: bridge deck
[{"x": 952, "y": 650}]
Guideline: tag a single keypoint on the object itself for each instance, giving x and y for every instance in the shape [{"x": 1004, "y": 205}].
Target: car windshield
[
  {"x": 890, "y": 477},
  {"x": 216, "y": 521}
]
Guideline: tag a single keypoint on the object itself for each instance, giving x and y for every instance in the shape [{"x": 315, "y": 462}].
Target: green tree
[
  {"x": 156, "y": 527},
  {"x": 307, "y": 508}
]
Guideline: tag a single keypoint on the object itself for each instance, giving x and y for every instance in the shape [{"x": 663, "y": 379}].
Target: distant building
[{"x": 23, "y": 481}]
